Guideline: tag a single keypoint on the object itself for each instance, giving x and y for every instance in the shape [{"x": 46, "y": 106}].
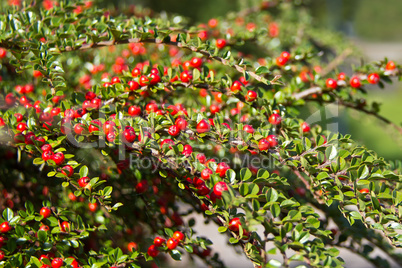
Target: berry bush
[{"x": 120, "y": 129}]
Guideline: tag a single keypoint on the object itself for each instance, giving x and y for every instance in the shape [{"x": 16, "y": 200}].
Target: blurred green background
[{"x": 365, "y": 22}]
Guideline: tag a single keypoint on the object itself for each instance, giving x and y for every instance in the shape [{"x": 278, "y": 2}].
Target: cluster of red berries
[{"x": 171, "y": 243}]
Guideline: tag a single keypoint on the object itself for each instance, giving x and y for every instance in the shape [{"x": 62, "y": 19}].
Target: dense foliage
[{"x": 116, "y": 129}]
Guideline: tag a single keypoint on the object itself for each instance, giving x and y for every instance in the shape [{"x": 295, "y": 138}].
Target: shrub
[{"x": 118, "y": 129}]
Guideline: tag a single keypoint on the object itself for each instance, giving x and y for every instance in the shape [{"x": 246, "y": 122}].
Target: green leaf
[
  {"x": 245, "y": 174},
  {"x": 176, "y": 255},
  {"x": 253, "y": 189},
  {"x": 271, "y": 195},
  {"x": 222, "y": 229},
  {"x": 108, "y": 190},
  {"x": 262, "y": 173},
  {"x": 275, "y": 210},
  {"x": 42, "y": 235},
  {"x": 233, "y": 240},
  {"x": 231, "y": 175},
  {"x": 331, "y": 152},
  {"x": 243, "y": 189},
  {"x": 29, "y": 208},
  {"x": 168, "y": 232},
  {"x": 363, "y": 172},
  {"x": 262, "y": 70},
  {"x": 8, "y": 214},
  {"x": 84, "y": 171}
]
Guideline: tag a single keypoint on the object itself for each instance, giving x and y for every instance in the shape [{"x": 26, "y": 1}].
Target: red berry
[
  {"x": 213, "y": 23},
  {"x": 187, "y": 150},
  {"x": 29, "y": 138},
  {"x": 79, "y": 128},
  {"x": 202, "y": 189},
  {"x": 159, "y": 241},
  {"x": 46, "y": 147},
  {"x": 21, "y": 127},
  {"x": 251, "y": 95},
  {"x": 186, "y": 76},
  {"x": 79, "y": 113},
  {"x": 134, "y": 110},
  {"x": 45, "y": 212},
  {"x": 167, "y": 141},
  {"x": 202, "y": 158},
  {"x": 115, "y": 80},
  {"x": 132, "y": 246},
  {"x": 373, "y": 78},
  {"x": 342, "y": 76},
  {"x": 141, "y": 186},
  {"x": 331, "y": 83},
  {"x": 90, "y": 95},
  {"x": 181, "y": 123},
  {"x": 273, "y": 140},
  {"x": 203, "y": 126},
  {"x": 58, "y": 158},
  {"x": 65, "y": 226},
  {"x": 275, "y": 119},
  {"x": 355, "y": 82},
  {"x": 220, "y": 43},
  {"x": 67, "y": 170},
  {"x": 390, "y": 66},
  {"x": 10, "y": 99},
  {"x": 174, "y": 131},
  {"x": 96, "y": 103},
  {"x": 236, "y": 86},
  {"x": 2, "y": 255},
  {"x": 3, "y": 53},
  {"x": 153, "y": 251},
  {"x": 83, "y": 181},
  {"x": 196, "y": 62},
  {"x": 45, "y": 117},
  {"x": 144, "y": 81},
  {"x": 55, "y": 111},
  {"x": 214, "y": 109},
  {"x": 44, "y": 228},
  {"x": 305, "y": 127},
  {"x": 263, "y": 145},
  {"x": 108, "y": 127},
  {"x": 248, "y": 129},
  {"x": 94, "y": 125},
  {"x": 47, "y": 155},
  {"x": 129, "y": 134},
  {"x": 151, "y": 107},
  {"x": 206, "y": 174},
  {"x": 172, "y": 243},
  {"x": 285, "y": 55},
  {"x": 179, "y": 236},
  {"x": 219, "y": 188},
  {"x": 306, "y": 76},
  {"x": 57, "y": 263},
  {"x": 281, "y": 61},
  {"x": 5, "y": 227},
  {"x": 155, "y": 78},
  {"x": 234, "y": 224},
  {"x": 222, "y": 168},
  {"x": 133, "y": 85},
  {"x": 92, "y": 206},
  {"x": 136, "y": 72},
  {"x": 19, "y": 89},
  {"x": 364, "y": 191}
]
